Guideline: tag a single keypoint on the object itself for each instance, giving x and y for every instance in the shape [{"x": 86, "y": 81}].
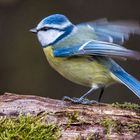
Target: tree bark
[{"x": 97, "y": 121}]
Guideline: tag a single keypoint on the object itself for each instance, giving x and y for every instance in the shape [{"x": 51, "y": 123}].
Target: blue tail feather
[{"x": 126, "y": 79}]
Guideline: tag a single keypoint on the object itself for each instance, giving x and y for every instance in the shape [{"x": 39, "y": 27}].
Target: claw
[
  {"x": 65, "y": 98},
  {"x": 80, "y": 100}
]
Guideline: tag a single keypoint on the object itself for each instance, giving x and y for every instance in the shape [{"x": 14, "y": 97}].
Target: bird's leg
[
  {"x": 82, "y": 99},
  {"x": 101, "y": 94}
]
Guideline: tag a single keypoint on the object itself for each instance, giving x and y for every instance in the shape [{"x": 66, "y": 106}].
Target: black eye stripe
[
  {"x": 53, "y": 28},
  {"x": 49, "y": 28},
  {"x": 44, "y": 29}
]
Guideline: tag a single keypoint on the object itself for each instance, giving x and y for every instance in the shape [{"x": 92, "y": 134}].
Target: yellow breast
[
  {"x": 79, "y": 69},
  {"x": 51, "y": 59}
]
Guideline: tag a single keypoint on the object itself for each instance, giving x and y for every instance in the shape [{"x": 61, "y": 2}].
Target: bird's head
[{"x": 52, "y": 29}]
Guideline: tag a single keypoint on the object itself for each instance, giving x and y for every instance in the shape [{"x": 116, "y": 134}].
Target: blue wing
[
  {"x": 115, "y": 32},
  {"x": 98, "y": 48}
]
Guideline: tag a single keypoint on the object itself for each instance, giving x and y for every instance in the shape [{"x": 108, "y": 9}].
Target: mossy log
[{"x": 75, "y": 121}]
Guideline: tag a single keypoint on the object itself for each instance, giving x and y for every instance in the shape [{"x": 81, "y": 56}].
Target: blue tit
[{"x": 83, "y": 53}]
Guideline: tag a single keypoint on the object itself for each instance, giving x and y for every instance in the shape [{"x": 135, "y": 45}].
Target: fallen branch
[{"x": 75, "y": 121}]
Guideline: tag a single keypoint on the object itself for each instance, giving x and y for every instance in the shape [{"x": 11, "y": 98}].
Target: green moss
[
  {"x": 133, "y": 127},
  {"x": 72, "y": 118},
  {"x": 108, "y": 124},
  {"x": 127, "y": 105},
  {"x": 27, "y": 128},
  {"x": 111, "y": 125}
]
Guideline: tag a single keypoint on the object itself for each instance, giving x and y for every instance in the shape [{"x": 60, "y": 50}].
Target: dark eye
[{"x": 44, "y": 29}]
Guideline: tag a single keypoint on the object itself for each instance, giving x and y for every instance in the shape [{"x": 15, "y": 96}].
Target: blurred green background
[{"x": 23, "y": 66}]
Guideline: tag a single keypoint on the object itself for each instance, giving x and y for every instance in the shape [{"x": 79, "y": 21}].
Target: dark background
[{"x": 23, "y": 66}]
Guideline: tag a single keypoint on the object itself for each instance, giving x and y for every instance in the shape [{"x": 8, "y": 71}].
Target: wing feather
[
  {"x": 98, "y": 48},
  {"x": 115, "y": 32}
]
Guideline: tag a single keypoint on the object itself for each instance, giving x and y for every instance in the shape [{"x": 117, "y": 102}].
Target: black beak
[{"x": 33, "y": 30}]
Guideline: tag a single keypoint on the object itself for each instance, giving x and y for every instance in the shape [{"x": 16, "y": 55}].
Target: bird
[{"x": 84, "y": 53}]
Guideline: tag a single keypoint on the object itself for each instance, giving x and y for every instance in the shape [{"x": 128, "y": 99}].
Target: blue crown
[{"x": 55, "y": 19}]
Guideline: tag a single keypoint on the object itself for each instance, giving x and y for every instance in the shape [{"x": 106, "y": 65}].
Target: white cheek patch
[{"x": 48, "y": 37}]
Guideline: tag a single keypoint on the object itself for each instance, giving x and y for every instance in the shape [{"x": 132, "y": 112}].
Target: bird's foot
[{"x": 83, "y": 101}]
